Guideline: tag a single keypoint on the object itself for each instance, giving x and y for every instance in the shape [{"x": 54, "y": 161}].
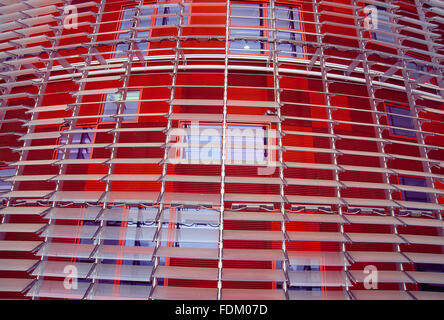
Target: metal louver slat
[
  {"x": 183, "y": 293},
  {"x": 56, "y": 289},
  {"x": 318, "y": 278},
  {"x": 124, "y": 253},
  {"x": 122, "y": 272},
  {"x": 106, "y": 291}
]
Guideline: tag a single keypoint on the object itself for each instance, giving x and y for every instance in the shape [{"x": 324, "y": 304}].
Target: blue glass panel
[
  {"x": 246, "y": 14},
  {"x": 413, "y": 195},
  {"x": 400, "y": 121}
]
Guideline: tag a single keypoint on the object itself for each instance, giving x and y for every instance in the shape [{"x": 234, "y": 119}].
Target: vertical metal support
[
  {"x": 331, "y": 124},
  {"x": 406, "y": 73},
  {"x": 77, "y": 105},
  {"x": 157, "y": 234},
  {"x": 116, "y": 134},
  {"x": 223, "y": 156},
  {"x": 430, "y": 47},
  {"x": 277, "y": 97},
  {"x": 373, "y": 104}
]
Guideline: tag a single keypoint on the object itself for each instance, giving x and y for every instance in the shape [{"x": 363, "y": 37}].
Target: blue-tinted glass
[
  {"x": 400, "y": 121},
  {"x": 383, "y": 25},
  {"x": 246, "y": 46},
  {"x": 127, "y": 23},
  {"x": 5, "y": 185},
  {"x": 172, "y": 20},
  {"x": 145, "y": 20},
  {"x": 246, "y": 14},
  {"x": 416, "y": 66},
  {"x": 413, "y": 195},
  {"x": 244, "y": 143},
  {"x": 121, "y": 48},
  {"x": 289, "y": 49},
  {"x": 287, "y": 17},
  {"x": 243, "y": 46},
  {"x": 203, "y": 152},
  {"x": 110, "y": 106},
  {"x": 78, "y": 138},
  {"x": 130, "y": 105}
]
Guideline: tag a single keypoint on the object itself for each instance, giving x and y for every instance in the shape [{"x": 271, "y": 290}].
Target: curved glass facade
[{"x": 221, "y": 150}]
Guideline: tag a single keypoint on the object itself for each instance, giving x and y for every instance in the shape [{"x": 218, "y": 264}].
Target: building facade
[{"x": 198, "y": 149}]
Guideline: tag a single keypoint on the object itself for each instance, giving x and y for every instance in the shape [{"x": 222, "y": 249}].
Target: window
[
  {"x": 6, "y": 173},
  {"x": 169, "y": 17},
  {"x": 248, "y": 15},
  {"x": 244, "y": 143},
  {"x": 143, "y": 33},
  {"x": 78, "y": 138},
  {"x": 413, "y": 195},
  {"x": 400, "y": 117},
  {"x": 423, "y": 69},
  {"x": 383, "y": 27},
  {"x": 131, "y": 105},
  {"x": 414, "y": 65},
  {"x": 250, "y": 21},
  {"x": 288, "y": 20}
]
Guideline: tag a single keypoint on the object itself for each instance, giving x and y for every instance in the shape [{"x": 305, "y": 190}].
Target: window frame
[
  {"x": 267, "y": 34},
  {"x": 104, "y": 101},
  {"x": 389, "y": 114}
]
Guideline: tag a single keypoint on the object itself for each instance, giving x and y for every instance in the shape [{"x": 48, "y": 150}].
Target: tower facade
[{"x": 197, "y": 149}]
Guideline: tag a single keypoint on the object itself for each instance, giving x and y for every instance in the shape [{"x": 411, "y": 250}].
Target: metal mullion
[
  {"x": 277, "y": 97},
  {"x": 431, "y": 48},
  {"x": 177, "y": 55},
  {"x": 412, "y": 104},
  {"x": 223, "y": 155},
  {"x": 378, "y": 128},
  {"x": 75, "y": 110},
  {"x": 116, "y": 134},
  {"x": 331, "y": 124},
  {"x": 417, "y": 126}
]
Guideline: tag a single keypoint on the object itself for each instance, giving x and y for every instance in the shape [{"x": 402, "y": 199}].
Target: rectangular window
[
  {"x": 423, "y": 70},
  {"x": 400, "y": 117},
  {"x": 250, "y": 16},
  {"x": 244, "y": 143},
  {"x": 169, "y": 16},
  {"x": 383, "y": 25},
  {"x": 413, "y": 195},
  {"x": 6, "y": 173},
  {"x": 414, "y": 65},
  {"x": 78, "y": 138},
  {"x": 131, "y": 105},
  {"x": 127, "y": 23},
  {"x": 252, "y": 22},
  {"x": 287, "y": 22}
]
